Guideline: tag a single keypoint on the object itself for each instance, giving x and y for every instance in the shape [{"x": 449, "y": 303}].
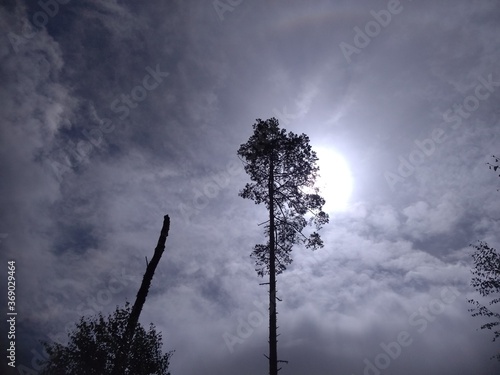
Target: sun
[{"x": 335, "y": 180}]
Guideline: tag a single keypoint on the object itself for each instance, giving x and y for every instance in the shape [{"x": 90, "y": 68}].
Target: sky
[{"x": 116, "y": 113}]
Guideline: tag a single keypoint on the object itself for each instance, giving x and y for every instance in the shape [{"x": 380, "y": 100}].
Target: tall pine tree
[{"x": 283, "y": 170}]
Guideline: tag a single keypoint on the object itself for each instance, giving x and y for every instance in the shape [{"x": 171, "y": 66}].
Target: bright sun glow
[{"x": 335, "y": 180}]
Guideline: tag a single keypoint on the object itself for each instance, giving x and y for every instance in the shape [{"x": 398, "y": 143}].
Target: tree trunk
[
  {"x": 121, "y": 363},
  {"x": 273, "y": 342}
]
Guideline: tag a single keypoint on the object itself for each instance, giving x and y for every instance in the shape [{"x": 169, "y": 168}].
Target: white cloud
[{"x": 423, "y": 220}]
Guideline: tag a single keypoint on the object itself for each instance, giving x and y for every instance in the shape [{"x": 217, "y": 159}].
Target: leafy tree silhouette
[
  {"x": 486, "y": 279},
  {"x": 283, "y": 170},
  {"x": 95, "y": 342}
]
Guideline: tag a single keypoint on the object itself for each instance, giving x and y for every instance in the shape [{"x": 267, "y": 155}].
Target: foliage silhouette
[
  {"x": 487, "y": 282},
  {"x": 96, "y": 342},
  {"x": 486, "y": 279}
]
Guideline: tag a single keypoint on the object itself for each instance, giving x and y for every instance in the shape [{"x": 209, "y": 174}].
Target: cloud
[{"x": 423, "y": 220}]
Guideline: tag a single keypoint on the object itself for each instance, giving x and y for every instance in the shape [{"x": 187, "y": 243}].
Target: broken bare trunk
[{"x": 121, "y": 362}]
